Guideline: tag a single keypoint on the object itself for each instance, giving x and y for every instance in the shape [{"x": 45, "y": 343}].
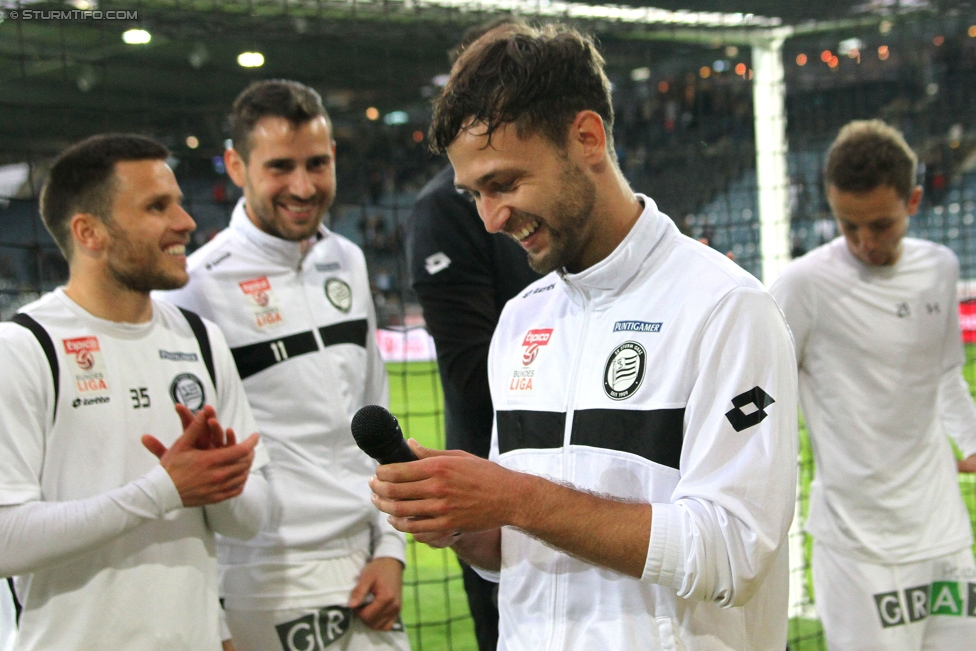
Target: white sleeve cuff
[
  {"x": 391, "y": 545},
  {"x": 663, "y": 564},
  {"x": 159, "y": 486}
]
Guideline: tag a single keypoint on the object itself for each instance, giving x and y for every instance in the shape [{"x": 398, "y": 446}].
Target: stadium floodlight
[
  {"x": 396, "y": 117},
  {"x": 850, "y": 45},
  {"x": 136, "y": 36},
  {"x": 640, "y": 74},
  {"x": 250, "y": 59},
  {"x": 618, "y": 13}
]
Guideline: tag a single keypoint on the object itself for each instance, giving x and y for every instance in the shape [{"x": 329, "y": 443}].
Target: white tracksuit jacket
[
  {"x": 303, "y": 334},
  {"x": 665, "y": 374}
]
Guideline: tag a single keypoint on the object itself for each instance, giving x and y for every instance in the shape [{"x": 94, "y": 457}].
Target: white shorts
[
  {"x": 333, "y": 628},
  {"x": 301, "y": 607},
  {"x": 924, "y": 606}
]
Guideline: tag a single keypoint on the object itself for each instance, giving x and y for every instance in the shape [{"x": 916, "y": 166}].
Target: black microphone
[{"x": 378, "y": 434}]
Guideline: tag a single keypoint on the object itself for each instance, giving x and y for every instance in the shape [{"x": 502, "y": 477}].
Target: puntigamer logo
[
  {"x": 637, "y": 326},
  {"x": 941, "y": 598}
]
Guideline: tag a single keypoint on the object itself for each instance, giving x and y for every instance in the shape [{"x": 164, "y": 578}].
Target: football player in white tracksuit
[
  {"x": 661, "y": 375},
  {"x": 302, "y": 330},
  {"x": 875, "y": 320},
  {"x": 642, "y": 474},
  {"x": 886, "y": 492},
  {"x": 107, "y": 514},
  {"x": 294, "y": 302},
  {"x": 57, "y": 447}
]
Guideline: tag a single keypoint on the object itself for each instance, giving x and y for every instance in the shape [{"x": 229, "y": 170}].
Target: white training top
[
  {"x": 302, "y": 329},
  {"x": 880, "y": 360},
  {"x": 107, "y": 556},
  {"x": 663, "y": 374}
]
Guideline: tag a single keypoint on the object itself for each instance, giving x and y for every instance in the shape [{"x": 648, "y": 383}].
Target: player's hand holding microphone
[
  {"x": 443, "y": 493},
  {"x": 378, "y": 434}
]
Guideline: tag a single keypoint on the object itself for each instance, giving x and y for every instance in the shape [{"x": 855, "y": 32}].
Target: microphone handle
[{"x": 400, "y": 454}]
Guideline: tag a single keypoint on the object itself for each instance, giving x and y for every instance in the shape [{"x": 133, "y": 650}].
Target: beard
[
  {"x": 139, "y": 270},
  {"x": 572, "y": 213},
  {"x": 266, "y": 213}
]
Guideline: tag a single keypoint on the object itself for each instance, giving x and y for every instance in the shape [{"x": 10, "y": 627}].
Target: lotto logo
[{"x": 941, "y": 598}]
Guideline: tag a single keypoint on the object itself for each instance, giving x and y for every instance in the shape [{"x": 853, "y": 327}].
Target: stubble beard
[
  {"x": 268, "y": 216},
  {"x": 574, "y": 210},
  {"x": 134, "y": 271}
]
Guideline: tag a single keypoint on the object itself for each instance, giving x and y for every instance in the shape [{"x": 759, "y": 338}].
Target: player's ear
[
  {"x": 914, "y": 199},
  {"x": 588, "y": 135},
  {"x": 88, "y": 233},
  {"x": 236, "y": 167}
]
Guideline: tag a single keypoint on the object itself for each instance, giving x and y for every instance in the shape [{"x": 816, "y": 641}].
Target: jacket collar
[
  {"x": 609, "y": 278},
  {"x": 274, "y": 248}
]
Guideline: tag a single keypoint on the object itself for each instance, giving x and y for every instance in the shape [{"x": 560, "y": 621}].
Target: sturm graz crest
[
  {"x": 625, "y": 370},
  {"x": 739, "y": 417},
  {"x": 339, "y": 294},
  {"x": 187, "y": 390}
]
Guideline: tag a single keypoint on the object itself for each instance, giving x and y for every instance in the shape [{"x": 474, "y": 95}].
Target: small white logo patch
[
  {"x": 436, "y": 263},
  {"x": 339, "y": 294}
]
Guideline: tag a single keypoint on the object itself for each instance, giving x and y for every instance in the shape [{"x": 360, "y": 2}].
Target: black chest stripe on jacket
[
  {"x": 655, "y": 435},
  {"x": 519, "y": 430},
  {"x": 347, "y": 332},
  {"x": 254, "y": 358}
]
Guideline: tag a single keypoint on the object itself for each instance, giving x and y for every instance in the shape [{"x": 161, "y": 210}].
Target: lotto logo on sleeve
[{"x": 534, "y": 339}]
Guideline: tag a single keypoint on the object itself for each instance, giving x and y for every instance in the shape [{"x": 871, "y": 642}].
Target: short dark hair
[
  {"x": 82, "y": 180},
  {"x": 475, "y": 32},
  {"x": 281, "y": 98},
  {"x": 536, "y": 79},
  {"x": 868, "y": 154}
]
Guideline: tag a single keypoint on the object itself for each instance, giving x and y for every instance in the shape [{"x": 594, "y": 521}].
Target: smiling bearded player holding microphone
[{"x": 641, "y": 485}]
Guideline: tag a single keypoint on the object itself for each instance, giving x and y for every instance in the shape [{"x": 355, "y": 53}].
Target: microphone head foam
[{"x": 374, "y": 429}]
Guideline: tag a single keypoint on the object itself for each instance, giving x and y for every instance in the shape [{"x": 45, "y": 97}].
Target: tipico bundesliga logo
[{"x": 90, "y": 368}]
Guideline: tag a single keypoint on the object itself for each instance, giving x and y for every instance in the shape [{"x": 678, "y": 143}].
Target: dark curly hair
[{"x": 536, "y": 79}]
